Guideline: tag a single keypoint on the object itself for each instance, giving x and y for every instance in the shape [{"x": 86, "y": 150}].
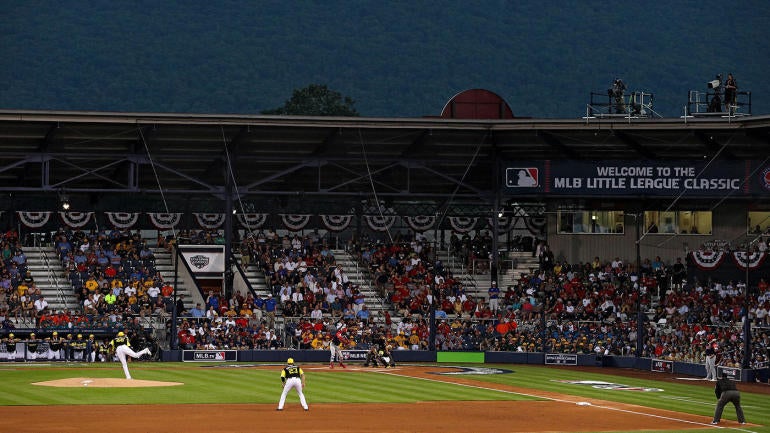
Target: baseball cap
[
  {"x": 121, "y": 334},
  {"x": 290, "y": 361}
]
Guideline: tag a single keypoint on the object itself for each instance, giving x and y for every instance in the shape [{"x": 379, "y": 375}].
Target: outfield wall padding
[{"x": 426, "y": 356}]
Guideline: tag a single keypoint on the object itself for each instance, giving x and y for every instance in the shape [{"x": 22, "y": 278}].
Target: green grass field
[{"x": 204, "y": 383}]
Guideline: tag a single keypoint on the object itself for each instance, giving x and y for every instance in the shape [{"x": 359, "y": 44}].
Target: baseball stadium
[{"x": 472, "y": 271}]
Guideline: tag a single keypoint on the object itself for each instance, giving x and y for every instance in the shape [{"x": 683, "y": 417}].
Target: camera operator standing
[
  {"x": 617, "y": 92},
  {"x": 731, "y": 87}
]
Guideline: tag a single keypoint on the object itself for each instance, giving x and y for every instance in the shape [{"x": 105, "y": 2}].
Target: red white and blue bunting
[
  {"x": 755, "y": 259},
  {"x": 34, "y": 219},
  {"x": 420, "y": 223},
  {"x": 252, "y": 220},
  {"x": 336, "y": 223},
  {"x": 462, "y": 224},
  {"x": 503, "y": 223},
  {"x": 380, "y": 223},
  {"x": 707, "y": 260},
  {"x": 536, "y": 224},
  {"x": 75, "y": 219},
  {"x": 210, "y": 220},
  {"x": 164, "y": 221},
  {"x": 295, "y": 222},
  {"x": 122, "y": 220}
]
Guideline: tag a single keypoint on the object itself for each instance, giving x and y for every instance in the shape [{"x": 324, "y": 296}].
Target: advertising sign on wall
[{"x": 561, "y": 359}]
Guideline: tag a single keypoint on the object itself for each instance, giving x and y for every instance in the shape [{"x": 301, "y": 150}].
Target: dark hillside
[{"x": 393, "y": 58}]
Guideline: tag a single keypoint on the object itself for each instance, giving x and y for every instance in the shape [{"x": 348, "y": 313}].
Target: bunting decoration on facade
[
  {"x": 462, "y": 224},
  {"x": 380, "y": 223},
  {"x": 252, "y": 220},
  {"x": 706, "y": 259},
  {"x": 755, "y": 259},
  {"x": 122, "y": 220},
  {"x": 34, "y": 219},
  {"x": 420, "y": 223},
  {"x": 295, "y": 222},
  {"x": 210, "y": 220},
  {"x": 165, "y": 221},
  {"x": 536, "y": 224},
  {"x": 504, "y": 223},
  {"x": 75, "y": 219},
  {"x": 336, "y": 223}
]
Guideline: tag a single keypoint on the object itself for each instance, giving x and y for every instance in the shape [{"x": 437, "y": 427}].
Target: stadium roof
[{"x": 435, "y": 159}]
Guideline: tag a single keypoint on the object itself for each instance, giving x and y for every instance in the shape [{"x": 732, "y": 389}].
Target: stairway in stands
[
  {"x": 165, "y": 264},
  {"x": 475, "y": 285},
  {"x": 517, "y": 263},
  {"x": 360, "y": 276},
  {"x": 48, "y": 272},
  {"x": 256, "y": 277}
]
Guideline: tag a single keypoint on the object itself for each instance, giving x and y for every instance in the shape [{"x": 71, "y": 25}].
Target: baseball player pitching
[
  {"x": 122, "y": 348},
  {"x": 335, "y": 347},
  {"x": 292, "y": 376}
]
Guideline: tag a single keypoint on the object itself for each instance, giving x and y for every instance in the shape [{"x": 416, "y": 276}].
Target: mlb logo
[{"x": 522, "y": 177}]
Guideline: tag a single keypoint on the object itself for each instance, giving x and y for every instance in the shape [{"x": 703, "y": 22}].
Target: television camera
[{"x": 715, "y": 83}]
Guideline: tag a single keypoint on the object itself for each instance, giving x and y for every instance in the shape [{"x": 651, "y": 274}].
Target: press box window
[
  {"x": 759, "y": 222},
  {"x": 592, "y": 222},
  {"x": 678, "y": 222}
]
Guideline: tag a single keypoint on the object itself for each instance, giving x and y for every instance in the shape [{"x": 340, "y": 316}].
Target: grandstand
[{"x": 503, "y": 200}]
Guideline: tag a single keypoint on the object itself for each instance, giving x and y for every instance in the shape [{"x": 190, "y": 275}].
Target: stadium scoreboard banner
[
  {"x": 662, "y": 366},
  {"x": 561, "y": 359},
  {"x": 209, "y": 355},
  {"x": 634, "y": 178}
]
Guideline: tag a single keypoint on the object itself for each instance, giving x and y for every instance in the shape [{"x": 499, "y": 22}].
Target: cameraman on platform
[{"x": 617, "y": 91}]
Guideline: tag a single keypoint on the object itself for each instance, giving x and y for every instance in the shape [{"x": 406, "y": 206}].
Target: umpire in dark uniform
[{"x": 726, "y": 391}]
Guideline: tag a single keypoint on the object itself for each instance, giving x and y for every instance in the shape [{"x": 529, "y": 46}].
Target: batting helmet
[
  {"x": 121, "y": 334},
  {"x": 10, "y": 335},
  {"x": 290, "y": 361}
]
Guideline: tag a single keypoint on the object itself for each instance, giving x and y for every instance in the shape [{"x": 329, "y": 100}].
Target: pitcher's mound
[{"x": 101, "y": 382}]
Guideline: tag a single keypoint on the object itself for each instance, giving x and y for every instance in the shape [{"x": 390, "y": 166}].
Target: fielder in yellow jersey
[{"x": 292, "y": 377}]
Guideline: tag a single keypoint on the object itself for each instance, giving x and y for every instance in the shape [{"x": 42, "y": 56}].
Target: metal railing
[{"x": 53, "y": 279}]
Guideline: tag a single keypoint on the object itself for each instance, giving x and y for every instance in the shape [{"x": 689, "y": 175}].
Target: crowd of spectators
[
  {"x": 306, "y": 286},
  {"x": 113, "y": 275},
  {"x": 590, "y": 307},
  {"x": 18, "y": 292}
]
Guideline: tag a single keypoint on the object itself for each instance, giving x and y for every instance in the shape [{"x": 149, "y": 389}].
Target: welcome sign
[{"x": 638, "y": 178}]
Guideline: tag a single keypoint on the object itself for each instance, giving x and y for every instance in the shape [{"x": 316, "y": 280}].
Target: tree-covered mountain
[{"x": 398, "y": 58}]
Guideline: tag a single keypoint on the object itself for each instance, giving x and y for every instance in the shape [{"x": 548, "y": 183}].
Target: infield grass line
[{"x": 571, "y": 402}]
